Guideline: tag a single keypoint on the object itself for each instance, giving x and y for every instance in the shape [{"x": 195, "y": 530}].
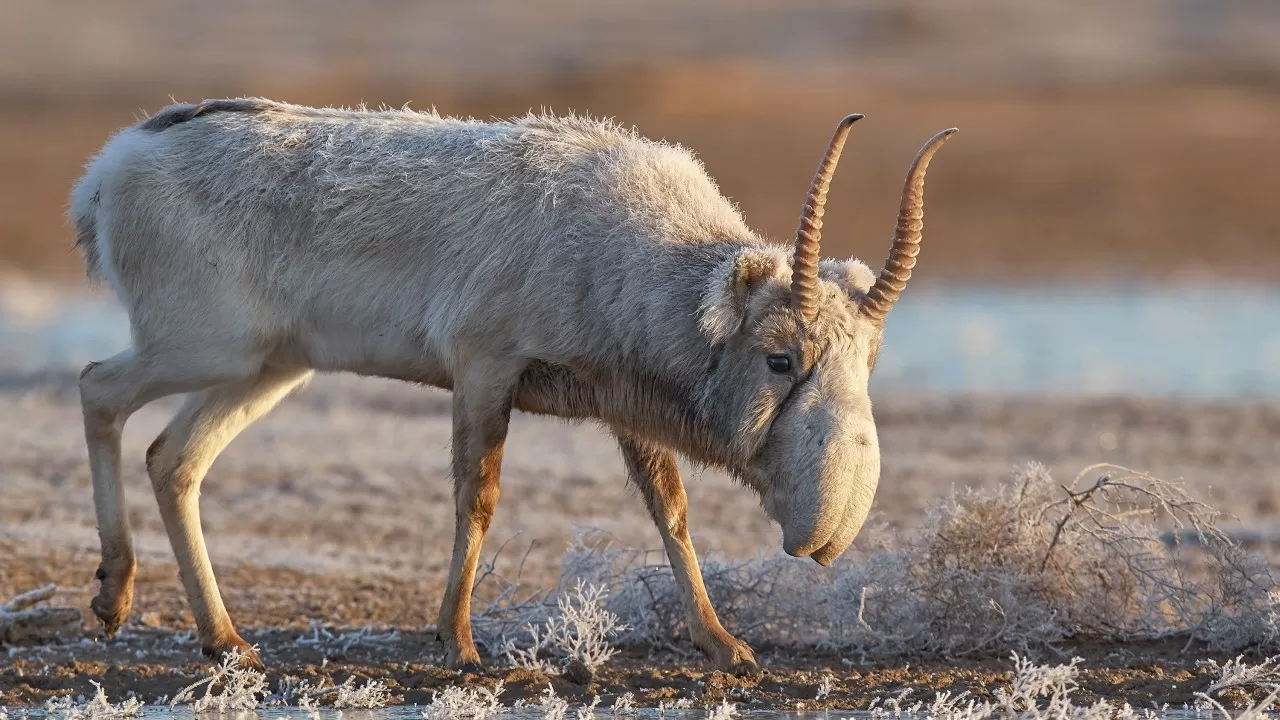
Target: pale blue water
[
  {"x": 1209, "y": 342},
  {"x": 1187, "y": 341}
]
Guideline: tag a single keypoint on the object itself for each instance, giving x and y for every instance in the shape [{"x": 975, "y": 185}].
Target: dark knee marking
[
  {"x": 159, "y": 479},
  {"x": 88, "y": 369},
  {"x": 96, "y": 415},
  {"x": 166, "y": 480},
  {"x": 154, "y": 449}
]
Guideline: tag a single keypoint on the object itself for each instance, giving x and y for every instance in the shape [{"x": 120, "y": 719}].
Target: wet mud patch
[{"x": 154, "y": 665}]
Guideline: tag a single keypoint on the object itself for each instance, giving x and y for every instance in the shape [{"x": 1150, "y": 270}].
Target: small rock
[{"x": 578, "y": 673}]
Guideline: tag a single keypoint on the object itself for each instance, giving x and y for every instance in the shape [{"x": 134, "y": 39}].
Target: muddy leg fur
[
  {"x": 654, "y": 471},
  {"x": 177, "y": 462},
  {"x": 481, "y": 413}
]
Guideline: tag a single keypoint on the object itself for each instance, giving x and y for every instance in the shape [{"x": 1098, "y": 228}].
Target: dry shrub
[
  {"x": 1033, "y": 563},
  {"x": 579, "y": 632},
  {"x": 1116, "y": 556}
]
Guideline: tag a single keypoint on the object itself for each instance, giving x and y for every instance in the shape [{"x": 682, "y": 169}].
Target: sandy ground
[{"x": 336, "y": 509}]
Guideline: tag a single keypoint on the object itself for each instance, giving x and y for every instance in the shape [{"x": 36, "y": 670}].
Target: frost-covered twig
[
  {"x": 624, "y": 704},
  {"x": 1253, "y": 712},
  {"x": 323, "y": 639},
  {"x": 241, "y": 687},
  {"x": 1236, "y": 674},
  {"x": 580, "y": 631},
  {"x": 723, "y": 711},
  {"x": 588, "y": 712},
  {"x": 373, "y": 694},
  {"x": 512, "y": 608},
  {"x": 553, "y": 706},
  {"x": 98, "y": 708},
  {"x": 1038, "y": 692},
  {"x": 459, "y": 703},
  {"x": 824, "y": 690},
  {"x": 24, "y": 620}
]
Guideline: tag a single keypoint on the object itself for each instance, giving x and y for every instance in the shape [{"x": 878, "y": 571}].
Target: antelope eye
[{"x": 779, "y": 363}]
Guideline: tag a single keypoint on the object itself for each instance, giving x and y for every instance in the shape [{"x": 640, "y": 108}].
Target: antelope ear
[
  {"x": 852, "y": 276},
  {"x": 728, "y": 291}
]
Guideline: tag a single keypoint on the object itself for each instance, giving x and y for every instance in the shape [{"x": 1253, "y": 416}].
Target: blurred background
[{"x": 1105, "y": 222}]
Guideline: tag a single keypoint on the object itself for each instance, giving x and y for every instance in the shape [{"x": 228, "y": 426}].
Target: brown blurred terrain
[{"x": 1097, "y": 139}]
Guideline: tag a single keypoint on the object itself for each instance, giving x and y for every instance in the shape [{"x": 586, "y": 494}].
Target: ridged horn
[
  {"x": 906, "y": 235},
  {"x": 804, "y": 266}
]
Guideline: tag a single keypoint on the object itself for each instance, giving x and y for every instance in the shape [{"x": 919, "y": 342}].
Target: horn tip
[
  {"x": 851, "y": 118},
  {"x": 937, "y": 141}
]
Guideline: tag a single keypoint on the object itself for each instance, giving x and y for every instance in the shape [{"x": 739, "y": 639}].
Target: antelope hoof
[
  {"x": 732, "y": 655},
  {"x": 218, "y": 651},
  {"x": 113, "y": 601},
  {"x": 465, "y": 659}
]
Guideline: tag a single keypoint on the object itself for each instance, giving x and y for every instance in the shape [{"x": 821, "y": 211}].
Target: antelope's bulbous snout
[
  {"x": 856, "y": 510},
  {"x": 802, "y": 541},
  {"x": 825, "y": 478}
]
